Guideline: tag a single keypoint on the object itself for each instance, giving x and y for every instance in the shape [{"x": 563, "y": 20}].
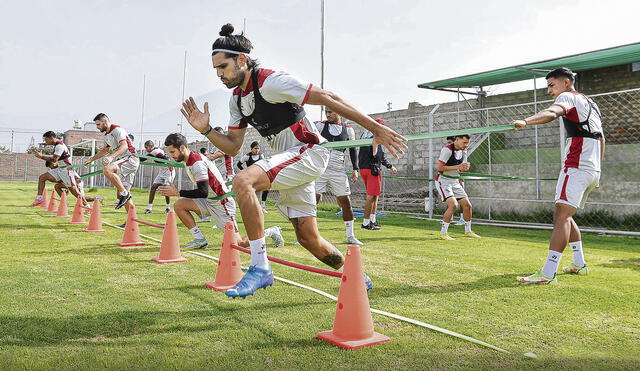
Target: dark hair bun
[{"x": 226, "y": 30}]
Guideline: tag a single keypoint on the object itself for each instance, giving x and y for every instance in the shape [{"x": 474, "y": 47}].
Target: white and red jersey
[
  {"x": 276, "y": 87},
  {"x": 62, "y": 152},
  {"x": 335, "y": 130},
  {"x": 157, "y": 152},
  {"x": 200, "y": 169},
  {"x": 450, "y": 156},
  {"x": 584, "y": 126},
  {"x": 228, "y": 162},
  {"x": 114, "y": 136}
]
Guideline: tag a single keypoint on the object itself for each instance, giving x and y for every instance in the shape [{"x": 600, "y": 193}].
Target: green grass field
[{"x": 77, "y": 300}]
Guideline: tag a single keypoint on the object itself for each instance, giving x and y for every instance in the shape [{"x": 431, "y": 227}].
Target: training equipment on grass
[
  {"x": 303, "y": 267},
  {"x": 63, "y": 212},
  {"x": 95, "y": 221},
  {"x": 170, "y": 246},
  {"x": 77, "y": 217},
  {"x": 353, "y": 325},
  {"x": 52, "y": 203},
  {"x": 131, "y": 235},
  {"x": 43, "y": 204},
  {"x": 228, "y": 272}
]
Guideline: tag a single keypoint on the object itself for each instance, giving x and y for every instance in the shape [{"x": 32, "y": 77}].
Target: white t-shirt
[
  {"x": 114, "y": 136},
  {"x": 337, "y": 159},
  {"x": 60, "y": 149},
  {"x": 276, "y": 87},
  {"x": 445, "y": 155},
  {"x": 157, "y": 152},
  {"x": 200, "y": 169},
  {"x": 579, "y": 152}
]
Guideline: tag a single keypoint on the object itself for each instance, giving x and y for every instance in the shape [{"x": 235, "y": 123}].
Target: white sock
[
  {"x": 269, "y": 232},
  {"x": 365, "y": 222},
  {"x": 373, "y": 218},
  {"x": 578, "y": 255},
  {"x": 445, "y": 228},
  {"x": 195, "y": 232},
  {"x": 467, "y": 226},
  {"x": 168, "y": 206},
  {"x": 39, "y": 197},
  {"x": 150, "y": 206},
  {"x": 348, "y": 226},
  {"x": 551, "y": 266},
  {"x": 259, "y": 253},
  {"x": 124, "y": 193}
]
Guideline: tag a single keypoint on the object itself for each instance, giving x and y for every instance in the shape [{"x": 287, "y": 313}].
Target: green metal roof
[{"x": 580, "y": 62}]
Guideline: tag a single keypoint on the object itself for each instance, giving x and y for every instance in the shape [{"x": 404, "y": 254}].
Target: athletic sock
[
  {"x": 373, "y": 218},
  {"x": 259, "y": 253},
  {"x": 578, "y": 255},
  {"x": 270, "y": 232},
  {"x": 124, "y": 193},
  {"x": 365, "y": 222},
  {"x": 39, "y": 197},
  {"x": 195, "y": 232},
  {"x": 445, "y": 228},
  {"x": 168, "y": 206},
  {"x": 467, "y": 226},
  {"x": 348, "y": 226},
  {"x": 150, "y": 206},
  {"x": 551, "y": 265}
]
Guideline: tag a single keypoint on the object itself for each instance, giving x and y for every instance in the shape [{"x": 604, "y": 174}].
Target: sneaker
[
  {"x": 36, "y": 202},
  {"x": 166, "y": 211},
  {"x": 278, "y": 241},
  {"x": 205, "y": 220},
  {"x": 101, "y": 200},
  {"x": 375, "y": 224},
  {"x": 195, "y": 244},
  {"x": 123, "y": 200},
  {"x": 370, "y": 227},
  {"x": 148, "y": 211},
  {"x": 574, "y": 269},
  {"x": 264, "y": 210},
  {"x": 538, "y": 278},
  {"x": 123, "y": 225},
  {"x": 353, "y": 241},
  {"x": 471, "y": 235},
  {"x": 460, "y": 222},
  {"x": 445, "y": 237},
  {"x": 255, "y": 278},
  {"x": 368, "y": 282}
]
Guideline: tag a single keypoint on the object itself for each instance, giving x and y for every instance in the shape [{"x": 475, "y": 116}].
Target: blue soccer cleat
[
  {"x": 368, "y": 282},
  {"x": 255, "y": 278}
]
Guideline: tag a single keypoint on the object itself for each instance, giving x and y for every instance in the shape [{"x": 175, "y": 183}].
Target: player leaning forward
[
  {"x": 272, "y": 103},
  {"x": 580, "y": 174}
]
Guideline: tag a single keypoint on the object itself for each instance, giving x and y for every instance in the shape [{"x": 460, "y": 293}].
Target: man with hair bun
[
  {"x": 272, "y": 102},
  {"x": 580, "y": 174}
]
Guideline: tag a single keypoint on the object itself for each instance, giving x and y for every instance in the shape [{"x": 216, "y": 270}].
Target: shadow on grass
[{"x": 633, "y": 263}]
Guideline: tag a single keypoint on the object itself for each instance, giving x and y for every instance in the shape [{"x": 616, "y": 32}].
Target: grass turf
[{"x": 77, "y": 300}]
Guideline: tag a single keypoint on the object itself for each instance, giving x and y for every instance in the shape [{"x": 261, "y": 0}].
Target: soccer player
[
  {"x": 369, "y": 162},
  {"x": 56, "y": 174},
  {"x": 461, "y": 220},
  {"x": 122, "y": 163},
  {"x": 250, "y": 158},
  {"x": 205, "y": 176},
  {"x": 335, "y": 178},
  {"x": 452, "y": 160},
  {"x": 164, "y": 177},
  {"x": 580, "y": 173},
  {"x": 272, "y": 102},
  {"x": 61, "y": 187}
]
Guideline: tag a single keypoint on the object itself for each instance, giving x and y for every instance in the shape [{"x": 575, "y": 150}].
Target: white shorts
[
  {"x": 333, "y": 181},
  {"x": 221, "y": 210},
  {"x": 164, "y": 177},
  {"x": 450, "y": 188},
  {"x": 293, "y": 172},
  {"x": 574, "y": 186},
  {"x": 64, "y": 175},
  {"x": 127, "y": 168}
]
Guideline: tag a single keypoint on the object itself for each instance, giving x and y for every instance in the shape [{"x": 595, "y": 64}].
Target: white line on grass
[{"x": 377, "y": 311}]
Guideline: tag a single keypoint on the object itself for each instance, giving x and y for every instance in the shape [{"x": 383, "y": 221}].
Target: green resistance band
[
  {"x": 89, "y": 175},
  {"x": 77, "y": 166},
  {"x": 410, "y": 137},
  {"x": 467, "y": 176},
  {"x": 159, "y": 160}
]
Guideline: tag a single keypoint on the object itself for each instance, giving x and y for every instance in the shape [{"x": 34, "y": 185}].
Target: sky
[{"x": 66, "y": 60}]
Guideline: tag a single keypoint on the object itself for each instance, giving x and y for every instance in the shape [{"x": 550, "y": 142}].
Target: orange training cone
[
  {"x": 43, "y": 204},
  {"x": 170, "y": 247},
  {"x": 95, "y": 221},
  {"x": 52, "y": 202},
  {"x": 229, "y": 272},
  {"x": 131, "y": 235},
  {"x": 353, "y": 325},
  {"x": 77, "y": 217},
  {"x": 62, "y": 207}
]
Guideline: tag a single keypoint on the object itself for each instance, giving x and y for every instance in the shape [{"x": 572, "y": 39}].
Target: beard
[
  {"x": 236, "y": 81},
  {"x": 180, "y": 158},
  {"x": 102, "y": 129}
]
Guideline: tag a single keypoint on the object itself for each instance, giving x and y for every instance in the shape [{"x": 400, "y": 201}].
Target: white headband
[{"x": 228, "y": 51}]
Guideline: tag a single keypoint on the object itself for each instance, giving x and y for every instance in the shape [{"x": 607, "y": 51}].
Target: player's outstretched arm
[{"x": 542, "y": 117}]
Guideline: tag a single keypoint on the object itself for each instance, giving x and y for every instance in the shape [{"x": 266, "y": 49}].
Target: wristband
[{"x": 208, "y": 131}]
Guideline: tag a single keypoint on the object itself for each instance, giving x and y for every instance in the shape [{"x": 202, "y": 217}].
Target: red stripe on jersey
[
  {"x": 228, "y": 161},
  {"x": 575, "y": 150},
  {"x": 273, "y": 172},
  {"x": 303, "y": 134},
  {"x": 215, "y": 184},
  {"x": 306, "y": 96},
  {"x": 193, "y": 157},
  {"x": 572, "y": 115},
  {"x": 563, "y": 193}
]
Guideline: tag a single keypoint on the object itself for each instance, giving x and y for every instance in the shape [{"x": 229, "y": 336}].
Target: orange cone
[
  {"x": 62, "y": 207},
  {"x": 170, "y": 247},
  {"x": 353, "y": 325},
  {"x": 131, "y": 235},
  {"x": 52, "y": 202},
  {"x": 229, "y": 272},
  {"x": 44, "y": 199},
  {"x": 95, "y": 221},
  {"x": 77, "y": 217}
]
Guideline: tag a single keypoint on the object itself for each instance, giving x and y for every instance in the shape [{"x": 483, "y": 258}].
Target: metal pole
[
  {"x": 11, "y": 141},
  {"x": 144, "y": 87},
  {"x": 184, "y": 79},
  {"x": 535, "y": 108},
  {"x": 490, "y": 167},
  {"x": 430, "y": 121},
  {"x": 93, "y": 153},
  {"x": 321, "y": 52}
]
